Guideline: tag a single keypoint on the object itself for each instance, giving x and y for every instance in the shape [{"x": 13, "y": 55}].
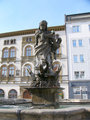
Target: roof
[
  {"x": 77, "y": 17},
  {"x": 87, "y": 13},
  {"x": 30, "y": 31}
]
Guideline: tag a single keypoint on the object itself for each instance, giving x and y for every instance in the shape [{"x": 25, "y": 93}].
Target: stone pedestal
[{"x": 44, "y": 97}]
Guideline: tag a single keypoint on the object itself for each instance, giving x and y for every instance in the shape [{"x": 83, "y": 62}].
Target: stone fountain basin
[{"x": 78, "y": 113}]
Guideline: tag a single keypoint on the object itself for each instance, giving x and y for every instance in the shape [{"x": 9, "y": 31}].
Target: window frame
[
  {"x": 75, "y": 28},
  {"x": 3, "y": 93},
  {"x": 12, "y": 53},
  {"x": 82, "y": 74},
  {"x": 80, "y": 93},
  {"x": 28, "y": 39},
  {"x": 76, "y": 76},
  {"x": 11, "y": 72},
  {"x": 74, "y": 43},
  {"x": 79, "y": 74},
  {"x": 5, "y": 53},
  {"x": 81, "y": 58},
  {"x": 75, "y": 58},
  {"x": 80, "y": 43},
  {"x": 5, "y": 71},
  {"x": 28, "y": 51},
  {"x": 26, "y": 73},
  {"x": 89, "y": 27},
  {"x": 12, "y": 94}
]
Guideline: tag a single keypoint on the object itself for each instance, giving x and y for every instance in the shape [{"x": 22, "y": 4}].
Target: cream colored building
[{"x": 17, "y": 54}]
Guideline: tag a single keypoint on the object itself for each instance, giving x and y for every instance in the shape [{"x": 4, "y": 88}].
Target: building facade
[
  {"x": 78, "y": 47},
  {"x": 17, "y": 55}
]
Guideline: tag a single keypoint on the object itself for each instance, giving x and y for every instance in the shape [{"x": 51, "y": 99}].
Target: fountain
[
  {"x": 44, "y": 87},
  {"x": 45, "y": 81}
]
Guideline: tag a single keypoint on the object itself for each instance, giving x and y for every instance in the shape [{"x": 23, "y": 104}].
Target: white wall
[
  {"x": 84, "y": 35},
  {"x": 6, "y": 88},
  {"x": 63, "y": 61}
]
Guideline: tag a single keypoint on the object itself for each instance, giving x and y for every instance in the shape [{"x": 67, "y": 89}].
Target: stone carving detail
[{"x": 46, "y": 44}]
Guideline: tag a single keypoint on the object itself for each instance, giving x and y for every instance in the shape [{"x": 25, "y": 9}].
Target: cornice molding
[{"x": 30, "y": 31}]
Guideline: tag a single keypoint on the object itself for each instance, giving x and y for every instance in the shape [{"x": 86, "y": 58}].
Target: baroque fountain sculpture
[{"x": 45, "y": 81}]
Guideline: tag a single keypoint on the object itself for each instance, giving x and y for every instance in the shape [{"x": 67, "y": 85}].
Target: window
[
  {"x": 28, "y": 51},
  {"x": 5, "y": 53},
  {"x": 79, "y": 74},
  {"x": 81, "y": 58},
  {"x": 12, "y": 41},
  {"x": 75, "y": 29},
  {"x": 4, "y": 71},
  {"x": 82, "y": 74},
  {"x": 75, "y": 58},
  {"x": 27, "y": 94},
  {"x": 2, "y": 93},
  {"x": 80, "y": 43},
  {"x": 11, "y": 71},
  {"x": 74, "y": 43},
  {"x": 57, "y": 51},
  {"x": 5, "y": 42},
  {"x": 76, "y": 93},
  {"x": 27, "y": 69},
  {"x": 76, "y": 90},
  {"x": 12, "y": 94},
  {"x": 89, "y": 41},
  {"x": 12, "y": 52},
  {"x": 76, "y": 73},
  {"x": 89, "y": 27},
  {"x": 56, "y": 66},
  {"x": 17, "y": 72},
  {"x": 29, "y": 39},
  {"x": 80, "y": 92}
]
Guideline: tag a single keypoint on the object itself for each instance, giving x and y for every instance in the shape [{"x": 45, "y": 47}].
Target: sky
[{"x": 18, "y": 15}]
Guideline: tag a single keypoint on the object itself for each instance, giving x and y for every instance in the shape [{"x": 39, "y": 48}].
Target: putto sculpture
[{"x": 46, "y": 44}]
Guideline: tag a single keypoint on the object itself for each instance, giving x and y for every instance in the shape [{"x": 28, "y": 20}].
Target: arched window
[
  {"x": 12, "y": 94},
  {"x": 5, "y": 53},
  {"x": 4, "y": 71},
  {"x": 2, "y": 93},
  {"x": 11, "y": 70},
  {"x": 27, "y": 94},
  {"x": 28, "y": 51},
  {"x": 27, "y": 69},
  {"x": 56, "y": 66},
  {"x": 12, "y": 52}
]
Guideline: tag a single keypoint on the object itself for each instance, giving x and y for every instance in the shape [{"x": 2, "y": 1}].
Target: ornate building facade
[{"x": 17, "y": 55}]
